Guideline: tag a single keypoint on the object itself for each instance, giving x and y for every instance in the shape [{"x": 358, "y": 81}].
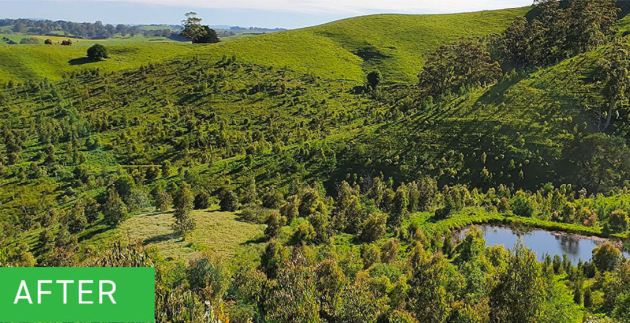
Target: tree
[
  {"x": 192, "y": 27},
  {"x": 370, "y": 254},
  {"x": 228, "y": 201},
  {"x": 399, "y": 207},
  {"x": 518, "y": 295},
  {"x": 97, "y": 52},
  {"x": 522, "y": 206},
  {"x": 428, "y": 296},
  {"x": 374, "y": 227},
  {"x": 166, "y": 169},
  {"x": 195, "y": 32},
  {"x": 274, "y": 225},
  {"x": 202, "y": 201},
  {"x": 163, "y": 201},
  {"x": 606, "y": 257},
  {"x": 114, "y": 209},
  {"x": 76, "y": 219},
  {"x": 389, "y": 250},
  {"x": 184, "y": 202},
  {"x": 330, "y": 283},
  {"x": 614, "y": 76},
  {"x": 209, "y": 36},
  {"x": 456, "y": 65},
  {"x": 618, "y": 220},
  {"x": 92, "y": 209},
  {"x": 373, "y": 79},
  {"x": 588, "y": 298},
  {"x": 294, "y": 296}
]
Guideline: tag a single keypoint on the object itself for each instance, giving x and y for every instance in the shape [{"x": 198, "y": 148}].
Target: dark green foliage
[
  {"x": 272, "y": 259},
  {"x": 373, "y": 227},
  {"x": 274, "y": 225},
  {"x": 618, "y": 220},
  {"x": 577, "y": 295},
  {"x": 370, "y": 254},
  {"x": 457, "y": 65},
  {"x": 304, "y": 234},
  {"x": 114, "y": 209},
  {"x": 606, "y": 257},
  {"x": 559, "y": 31},
  {"x": 29, "y": 41},
  {"x": 195, "y": 32},
  {"x": 184, "y": 202},
  {"x": 588, "y": 298},
  {"x": 522, "y": 206},
  {"x": 97, "y": 52},
  {"x": 228, "y": 201},
  {"x": 399, "y": 207},
  {"x": 209, "y": 36},
  {"x": 163, "y": 201},
  {"x": 92, "y": 209},
  {"x": 166, "y": 169},
  {"x": 76, "y": 219},
  {"x": 272, "y": 200},
  {"x": 519, "y": 293},
  {"x": 202, "y": 201}
]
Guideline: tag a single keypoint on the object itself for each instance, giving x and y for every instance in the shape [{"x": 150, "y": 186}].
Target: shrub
[
  {"x": 618, "y": 220},
  {"x": 229, "y": 201},
  {"x": 274, "y": 225},
  {"x": 606, "y": 257},
  {"x": 97, "y": 52},
  {"x": 29, "y": 41},
  {"x": 304, "y": 233},
  {"x": 522, "y": 206},
  {"x": 163, "y": 201},
  {"x": 114, "y": 209},
  {"x": 374, "y": 227},
  {"x": 202, "y": 201}
]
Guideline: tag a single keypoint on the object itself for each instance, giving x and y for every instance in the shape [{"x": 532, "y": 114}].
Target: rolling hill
[{"x": 342, "y": 50}]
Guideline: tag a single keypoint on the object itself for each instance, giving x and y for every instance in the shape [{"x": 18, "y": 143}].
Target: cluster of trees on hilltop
[
  {"x": 558, "y": 31},
  {"x": 96, "y": 30}
]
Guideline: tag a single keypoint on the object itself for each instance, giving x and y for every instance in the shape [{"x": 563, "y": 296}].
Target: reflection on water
[{"x": 542, "y": 242}]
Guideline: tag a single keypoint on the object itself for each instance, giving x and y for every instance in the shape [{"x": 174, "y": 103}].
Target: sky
[{"x": 246, "y": 13}]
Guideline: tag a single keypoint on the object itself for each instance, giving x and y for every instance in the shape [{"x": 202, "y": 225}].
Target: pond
[{"x": 542, "y": 242}]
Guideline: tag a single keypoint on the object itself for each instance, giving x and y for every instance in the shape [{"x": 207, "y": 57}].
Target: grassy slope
[
  {"x": 395, "y": 44},
  {"x": 219, "y": 232},
  {"x": 26, "y": 62}
]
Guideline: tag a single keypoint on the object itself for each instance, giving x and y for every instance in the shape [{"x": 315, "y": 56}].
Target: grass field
[
  {"x": 219, "y": 232},
  {"x": 32, "y": 62}
]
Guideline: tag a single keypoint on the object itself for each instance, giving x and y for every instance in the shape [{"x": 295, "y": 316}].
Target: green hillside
[
  {"x": 397, "y": 44},
  {"x": 22, "y": 63},
  {"x": 273, "y": 179},
  {"x": 342, "y": 50}
]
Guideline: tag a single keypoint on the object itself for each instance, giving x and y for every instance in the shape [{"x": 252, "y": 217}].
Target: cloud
[{"x": 335, "y": 6}]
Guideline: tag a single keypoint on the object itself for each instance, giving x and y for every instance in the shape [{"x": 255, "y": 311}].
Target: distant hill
[{"x": 346, "y": 49}]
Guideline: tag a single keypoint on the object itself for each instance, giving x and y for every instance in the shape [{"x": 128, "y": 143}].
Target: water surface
[{"x": 542, "y": 242}]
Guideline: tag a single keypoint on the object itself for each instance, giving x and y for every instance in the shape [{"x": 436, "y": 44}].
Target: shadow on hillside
[
  {"x": 160, "y": 238},
  {"x": 80, "y": 61},
  {"x": 258, "y": 240}
]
